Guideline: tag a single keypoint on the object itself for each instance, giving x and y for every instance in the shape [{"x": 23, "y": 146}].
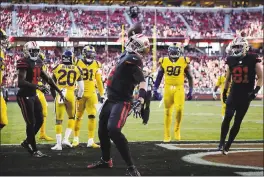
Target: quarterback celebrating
[
  {"x": 174, "y": 68},
  {"x": 242, "y": 70},
  {"x": 91, "y": 73}
]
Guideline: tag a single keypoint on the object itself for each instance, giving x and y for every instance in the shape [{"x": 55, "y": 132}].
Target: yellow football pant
[
  {"x": 3, "y": 114},
  {"x": 174, "y": 99}
]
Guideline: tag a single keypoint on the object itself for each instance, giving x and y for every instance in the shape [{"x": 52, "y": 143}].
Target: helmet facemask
[
  {"x": 238, "y": 47},
  {"x": 174, "y": 52},
  {"x": 88, "y": 55},
  {"x": 138, "y": 45},
  {"x": 33, "y": 54},
  {"x": 237, "y": 50}
]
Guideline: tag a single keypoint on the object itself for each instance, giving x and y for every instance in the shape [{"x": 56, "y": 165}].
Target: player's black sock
[
  {"x": 233, "y": 133},
  {"x": 31, "y": 137},
  {"x": 224, "y": 131},
  {"x": 122, "y": 145}
]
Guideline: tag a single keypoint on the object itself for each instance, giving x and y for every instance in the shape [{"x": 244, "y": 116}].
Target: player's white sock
[
  {"x": 223, "y": 117},
  {"x": 67, "y": 134},
  {"x": 58, "y": 138}
]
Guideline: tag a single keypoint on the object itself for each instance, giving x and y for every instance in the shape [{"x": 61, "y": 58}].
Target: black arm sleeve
[
  {"x": 22, "y": 83},
  {"x": 138, "y": 75}
]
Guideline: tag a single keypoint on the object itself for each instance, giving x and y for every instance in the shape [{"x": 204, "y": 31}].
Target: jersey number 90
[
  {"x": 175, "y": 71},
  {"x": 70, "y": 77}
]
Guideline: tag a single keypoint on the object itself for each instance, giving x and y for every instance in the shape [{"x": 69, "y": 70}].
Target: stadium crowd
[
  {"x": 205, "y": 69},
  {"x": 57, "y": 21}
]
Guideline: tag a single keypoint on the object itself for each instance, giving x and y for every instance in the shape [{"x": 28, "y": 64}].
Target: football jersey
[
  {"x": 66, "y": 76},
  {"x": 221, "y": 83},
  {"x": 33, "y": 69},
  {"x": 174, "y": 71},
  {"x": 91, "y": 73},
  {"x": 2, "y": 66},
  {"x": 124, "y": 77},
  {"x": 243, "y": 73}
]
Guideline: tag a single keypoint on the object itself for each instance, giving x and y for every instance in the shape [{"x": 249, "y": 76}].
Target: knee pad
[
  {"x": 114, "y": 133},
  {"x": 91, "y": 116}
]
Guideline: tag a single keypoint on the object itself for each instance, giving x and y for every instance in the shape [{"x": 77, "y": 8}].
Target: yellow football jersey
[
  {"x": 174, "y": 71},
  {"x": 221, "y": 83},
  {"x": 91, "y": 73},
  {"x": 2, "y": 66},
  {"x": 66, "y": 76}
]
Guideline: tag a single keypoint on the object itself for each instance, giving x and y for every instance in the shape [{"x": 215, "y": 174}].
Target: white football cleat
[
  {"x": 66, "y": 142},
  {"x": 57, "y": 147}
]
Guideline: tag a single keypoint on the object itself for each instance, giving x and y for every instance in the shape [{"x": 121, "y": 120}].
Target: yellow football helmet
[{"x": 89, "y": 53}]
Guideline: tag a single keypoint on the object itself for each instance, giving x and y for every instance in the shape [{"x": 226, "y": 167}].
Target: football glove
[
  {"x": 214, "y": 96},
  {"x": 253, "y": 94},
  {"x": 224, "y": 95},
  {"x": 43, "y": 89},
  {"x": 189, "y": 95},
  {"x": 137, "y": 109},
  {"x": 101, "y": 99}
]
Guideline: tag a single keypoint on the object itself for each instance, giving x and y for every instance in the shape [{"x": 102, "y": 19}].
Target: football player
[
  {"x": 221, "y": 83},
  {"x": 174, "y": 67},
  {"x": 242, "y": 70},
  {"x": 3, "y": 108},
  {"x": 44, "y": 104},
  {"x": 30, "y": 70},
  {"x": 120, "y": 86},
  {"x": 91, "y": 72},
  {"x": 66, "y": 75}
]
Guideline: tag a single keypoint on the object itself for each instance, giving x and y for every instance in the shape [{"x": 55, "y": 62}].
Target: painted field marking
[
  {"x": 250, "y": 173},
  {"x": 197, "y": 159},
  {"x": 177, "y": 146}
]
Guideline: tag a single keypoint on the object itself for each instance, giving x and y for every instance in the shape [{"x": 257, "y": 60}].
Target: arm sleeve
[
  {"x": 22, "y": 64},
  {"x": 98, "y": 78},
  {"x": 138, "y": 75},
  {"x": 218, "y": 83},
  {"x": 81, "y": 88},
  {"x": 159, "y": 78}
]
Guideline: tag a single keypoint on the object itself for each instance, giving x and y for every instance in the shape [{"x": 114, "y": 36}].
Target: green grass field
[{"x": 202, "y": 121}]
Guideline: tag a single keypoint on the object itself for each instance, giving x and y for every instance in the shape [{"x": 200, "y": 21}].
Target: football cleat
[
  {"x": 132, "y": 171},
  {"x": 66, "y": 142},
  {"x": 57, "y": 147},
  {"x": 224, "y": 152},
  {"x": 39, "y": 154},
  {"x": 219, "y": 148},
  {"x": 46, "y": 137},
  {"x": 101, "y": 164},
  {"x": 94, "y": 145},
  {"x": 75, "y": 143},
  {"x": 27, "y": 146},
  {"x": 167, "y": 140}
]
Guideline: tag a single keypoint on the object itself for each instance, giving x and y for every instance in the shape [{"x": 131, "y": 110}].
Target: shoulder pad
[
  {"x": 22, "y": 63},
  {"x": 187, "y": 60},
  {"x": 55, "y": 67},
  {"x": 161, "y": 60},
  {"x": 99, "y": 65},
  {"x": 133, "y": 59}
]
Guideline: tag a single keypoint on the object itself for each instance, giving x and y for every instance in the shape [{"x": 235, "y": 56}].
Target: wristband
[
  {"x": 142, "y": 93},
  {"x": 256, "y": 90}
]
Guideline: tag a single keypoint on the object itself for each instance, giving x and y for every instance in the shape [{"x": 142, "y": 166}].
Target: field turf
[{"x": 202, "y": 121}]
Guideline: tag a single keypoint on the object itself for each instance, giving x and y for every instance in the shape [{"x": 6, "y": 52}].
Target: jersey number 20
[
  {"x": 175, "y": 71},
  {"x": 68, "y": 74}
]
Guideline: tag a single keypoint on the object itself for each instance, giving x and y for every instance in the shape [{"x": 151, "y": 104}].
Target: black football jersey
[
  {"x": 124, "y": 77},
  {"x": 33, "y": 69},
  {"x": 243, "y": 74}
]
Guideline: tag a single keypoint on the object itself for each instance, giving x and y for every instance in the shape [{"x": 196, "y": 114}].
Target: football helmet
[
  {"x": 175, "y": 51},
  {"x": 3, "y": 39},
  {"x": 138, "y": 44},
  {"x": 133, "y": 11},
  {"x": 89, "y": 53},
  {"x": 238, "y": 47},
  {"x": 31, "y": 49},
  {"x": 68, "y": 57}
]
